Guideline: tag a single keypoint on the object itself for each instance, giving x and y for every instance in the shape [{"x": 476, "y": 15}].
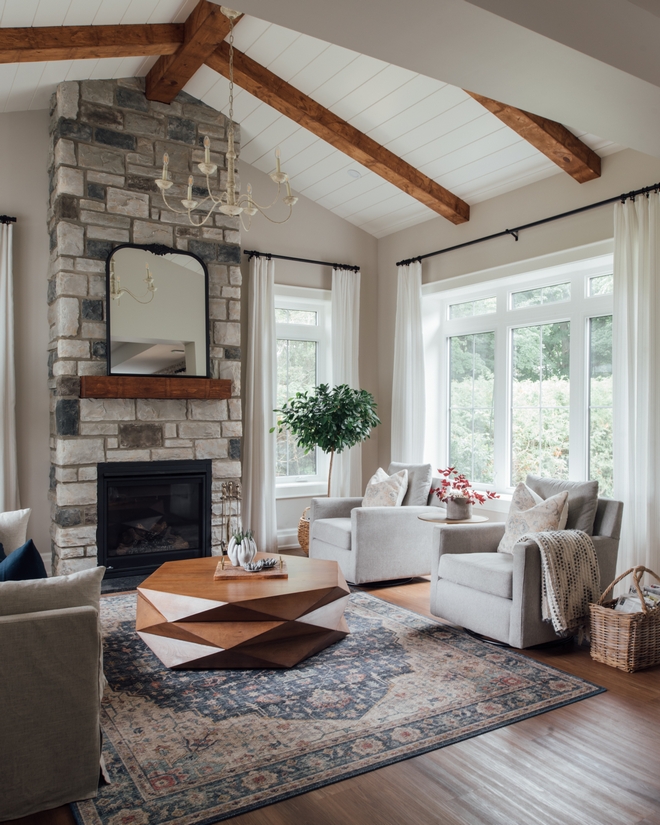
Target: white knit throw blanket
[{"x": 570, "y": 578}]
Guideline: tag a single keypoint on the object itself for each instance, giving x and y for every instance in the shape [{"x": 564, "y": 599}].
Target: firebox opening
[{"x": 152, "y": 512}]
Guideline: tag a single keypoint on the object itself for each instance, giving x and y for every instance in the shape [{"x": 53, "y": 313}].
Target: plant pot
[{"x": 458, "y": 509}]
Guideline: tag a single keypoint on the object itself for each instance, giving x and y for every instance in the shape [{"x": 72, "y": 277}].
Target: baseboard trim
[{"x": 287, "y": 539}]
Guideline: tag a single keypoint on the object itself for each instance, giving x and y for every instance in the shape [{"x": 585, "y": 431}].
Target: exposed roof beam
[
  {"x": 37, "y": 45},
  {"x": 267, "y": 87},
  {"x": 549, "y": 137},
  {"x": 205, "y": 28}
]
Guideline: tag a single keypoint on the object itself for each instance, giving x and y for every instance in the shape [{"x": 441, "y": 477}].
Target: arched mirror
[{"x": 157, "y": 312}]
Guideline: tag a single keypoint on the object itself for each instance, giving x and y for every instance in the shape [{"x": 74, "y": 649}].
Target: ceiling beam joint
[{"x": 205, "y": 28}]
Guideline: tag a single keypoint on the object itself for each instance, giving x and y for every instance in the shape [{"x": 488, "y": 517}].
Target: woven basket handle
[
  {"x": 306, "y": 510},
  {"x": 637, "y": 572}
]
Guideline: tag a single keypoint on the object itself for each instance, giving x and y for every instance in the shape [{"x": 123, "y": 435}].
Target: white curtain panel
[
  {"x": 259, "y": 458},
  {"x": 636, "y": 368},
  {"x": 9, "y": 499},
  {"x": 347, "y": 467},
  {"x": 408, "y": 394}
]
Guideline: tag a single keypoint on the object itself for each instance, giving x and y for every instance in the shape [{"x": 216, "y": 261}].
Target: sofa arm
[
  {"x": 49, "y": 694},
  {"x": 333, "y": 507}
]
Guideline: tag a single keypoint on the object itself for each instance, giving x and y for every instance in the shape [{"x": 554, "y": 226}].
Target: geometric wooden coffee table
[{"x": 191, "y": 621}]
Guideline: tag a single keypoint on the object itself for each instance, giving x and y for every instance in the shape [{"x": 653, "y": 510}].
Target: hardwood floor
[{"x": 596, "y": 762}]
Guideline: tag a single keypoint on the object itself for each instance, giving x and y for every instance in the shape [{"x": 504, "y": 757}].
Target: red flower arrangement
[{"x": 456, "y": 486}]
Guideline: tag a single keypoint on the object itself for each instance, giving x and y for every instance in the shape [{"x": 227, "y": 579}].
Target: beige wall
[
  {"x": 314, "y": 232},
  {"x": 24, "y": 193},
  {"x": 622, "y": 172}
]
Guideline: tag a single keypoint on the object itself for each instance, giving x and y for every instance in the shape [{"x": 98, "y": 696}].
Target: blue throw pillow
[{"x": 24, "y": 563}]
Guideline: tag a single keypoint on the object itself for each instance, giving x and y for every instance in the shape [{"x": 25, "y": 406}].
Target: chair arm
[
  {"x": 463, "y": 538},
  {"x": 379, "y": 532},
  {"x": 49, "y": 693},
  {"x": 607, "y": 550},
  {"x": 333, "y": 507}
]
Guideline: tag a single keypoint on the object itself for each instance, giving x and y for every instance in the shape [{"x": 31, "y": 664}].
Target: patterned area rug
[{"x": 186, "y": 748}]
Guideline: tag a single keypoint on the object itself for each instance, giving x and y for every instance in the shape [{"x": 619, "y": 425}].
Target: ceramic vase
[
  {"x": 458, "y": 509},
  {"x": 232, "y": 551},
  {"x": 247, "y": 550}
]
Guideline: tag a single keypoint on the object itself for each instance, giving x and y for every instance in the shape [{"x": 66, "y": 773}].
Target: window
[
  {"x": 540, "y": 397},
  {"x": 601, "y": 402},
  {"x": 543, "y": 295},
  {"x": 524, "y": 386},
  {"x": 467, "y": 308},
  {"x": 471, "y": 405},
  {"x": 302, "y": 319}
]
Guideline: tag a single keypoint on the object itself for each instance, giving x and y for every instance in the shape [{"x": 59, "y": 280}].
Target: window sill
[{"x": 301, "y": 489}]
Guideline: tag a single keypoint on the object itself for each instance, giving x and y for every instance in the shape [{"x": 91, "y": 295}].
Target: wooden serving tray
[{"x": 230, "y": 573}]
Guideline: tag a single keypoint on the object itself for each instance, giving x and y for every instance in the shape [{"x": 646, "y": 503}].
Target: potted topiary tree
[{"x": 333, "y": 419}]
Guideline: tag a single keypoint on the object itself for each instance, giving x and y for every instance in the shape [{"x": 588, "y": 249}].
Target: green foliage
[{"x": 333, "y": 419}]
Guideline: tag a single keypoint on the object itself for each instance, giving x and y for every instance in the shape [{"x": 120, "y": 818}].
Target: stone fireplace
[{"x": 107, "y": 143}]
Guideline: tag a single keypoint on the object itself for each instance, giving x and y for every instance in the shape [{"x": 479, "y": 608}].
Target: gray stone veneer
[{"x": 107, "y": 144}]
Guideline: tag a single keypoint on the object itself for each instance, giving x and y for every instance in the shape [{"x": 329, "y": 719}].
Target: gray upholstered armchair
[
  {"x": 373, "y": 544},
  {"x": 498, "y": 595}
]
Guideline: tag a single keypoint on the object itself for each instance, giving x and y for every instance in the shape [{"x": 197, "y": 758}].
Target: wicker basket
[
  {"x": 303, "y": 531},
  {"x": 627, "y": 641}
]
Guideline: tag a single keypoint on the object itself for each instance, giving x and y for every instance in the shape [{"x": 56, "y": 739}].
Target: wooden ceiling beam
[
  {"x": 205, "y": 28},
  {"x": 36, "y": 45},
  {"x": 554, "y": 140},
  {"x": 289, "y": 101}
]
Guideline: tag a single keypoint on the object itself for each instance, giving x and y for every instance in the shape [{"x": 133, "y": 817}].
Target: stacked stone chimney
[{"x": 107, "y": 144}]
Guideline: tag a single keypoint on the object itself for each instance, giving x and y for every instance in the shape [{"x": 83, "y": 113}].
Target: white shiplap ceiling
[{"x": 435, "y": 127}]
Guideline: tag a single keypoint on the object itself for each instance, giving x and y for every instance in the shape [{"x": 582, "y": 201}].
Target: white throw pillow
[
  {"x": 536, "y": 499},
  {"x": 537, "y": 518},
  {"x": 385, "y": 491},
  {"x": 13, "y": 529}
]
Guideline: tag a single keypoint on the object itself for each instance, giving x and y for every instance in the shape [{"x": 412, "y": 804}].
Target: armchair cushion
[
  {"x": 524, "y": 519},
  {"x": 385, "y": 490},
  {"x": 487, "y": 572},
  {"x": 582, "y": 499},
  {"x": 336, "y": 531},
  {"x": 419, "y": 482}
]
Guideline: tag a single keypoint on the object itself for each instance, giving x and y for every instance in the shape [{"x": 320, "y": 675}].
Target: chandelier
[
  {"x": 116, "y": 289},
  {"x": 230, "y": 201}
]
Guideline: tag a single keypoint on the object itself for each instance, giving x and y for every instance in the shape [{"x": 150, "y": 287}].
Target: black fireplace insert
[{"x": 150, "y": 512}]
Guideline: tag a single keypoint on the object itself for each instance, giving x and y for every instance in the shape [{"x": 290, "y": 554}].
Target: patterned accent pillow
[
  {"x": 385, "y": 491},
  {"x": 525, "y": 516},
  {"x": 536, "y": 499}
]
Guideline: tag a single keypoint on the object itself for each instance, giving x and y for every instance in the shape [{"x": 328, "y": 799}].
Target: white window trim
[
  {"x": 524, "y": 275},
  {"x": 315, "y": 300}
]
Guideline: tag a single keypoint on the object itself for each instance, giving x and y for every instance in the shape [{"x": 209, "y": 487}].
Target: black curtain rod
[
  {"x": 7, "y": 219},
  {"x": 254, "y": 254},
  {"x": 514, "y": 232}
]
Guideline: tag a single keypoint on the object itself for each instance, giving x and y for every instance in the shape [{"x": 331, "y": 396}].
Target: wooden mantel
[{"x": 141, "y": 386}]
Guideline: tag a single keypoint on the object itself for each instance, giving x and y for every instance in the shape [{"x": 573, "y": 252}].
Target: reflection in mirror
[{"x": 157, "y": 313}]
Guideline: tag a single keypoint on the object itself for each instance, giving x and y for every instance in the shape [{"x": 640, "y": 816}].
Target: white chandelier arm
[{"x": 272, "y": 220}]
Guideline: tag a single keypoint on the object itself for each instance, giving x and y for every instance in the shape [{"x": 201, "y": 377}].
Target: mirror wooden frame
[{"x": 161, "y": 250}]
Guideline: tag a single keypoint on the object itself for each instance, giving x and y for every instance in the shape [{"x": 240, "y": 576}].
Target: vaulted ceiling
[{"x": 441, "y": 137}]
